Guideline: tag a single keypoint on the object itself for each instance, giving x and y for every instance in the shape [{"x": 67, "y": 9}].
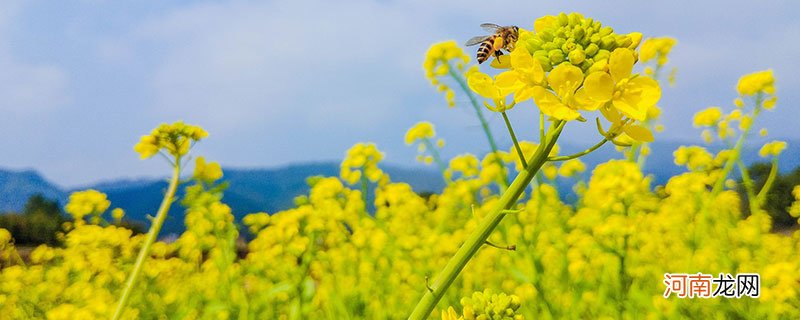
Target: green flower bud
[
  {"x": 575, "y": 18},
  {"x": 595, "y": 38},
  {"x": 623, "y": 41},
  {"x": 556, "y": 56},
  {"x": 591, "y": 49},
  {"x": 636, "y": 38},
  {"x": 568, "y": 45},
  {"x": 608, "y": 42},
  {"x": 546, "y": 35},
  {"x": 578, "y": 34},
  {"x": 559, "y": 42},
  {"x": 576, "y": 57},
  {"x": 604, "y": 31},
  {"x": 602, "y": 54},
  {"x": 544, "y": 60},
  {"x": 515, "y": 302},
  {"x": 586, "y": 64},
  {"x": 563, "y": 19}
]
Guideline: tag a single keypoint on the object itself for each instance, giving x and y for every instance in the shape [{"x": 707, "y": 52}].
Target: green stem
[
  {"x": 514, "y": 139},
  {"x": 748, "y": 186},
  {"x": 582, "y": 153},
  {"x": 541, "y": 127},
  {"x": 487, "y": 225},
  {"x": 148, "y": 242},
  {"x": 478, "y": 111},
  {"x": 773, "y": 174},
  {"x": 435, "y": 154},
  {"x": 737, "y": 150}
]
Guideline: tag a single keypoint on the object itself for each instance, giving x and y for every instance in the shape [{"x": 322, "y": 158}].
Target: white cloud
[
  {"x": 243, "y": 63},
  {"x": 26, "y": 88}
]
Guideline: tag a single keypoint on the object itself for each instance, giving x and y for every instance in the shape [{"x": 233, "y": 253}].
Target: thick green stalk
[
  {"x": 487, "y": 225},
  {"x": 148, "y": 242}
]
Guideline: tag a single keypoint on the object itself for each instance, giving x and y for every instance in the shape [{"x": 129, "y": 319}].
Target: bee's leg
[{"x": 498, "y": 53}]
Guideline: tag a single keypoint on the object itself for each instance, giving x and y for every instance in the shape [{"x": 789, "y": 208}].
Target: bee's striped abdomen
[{"x": 486, "y": 49}]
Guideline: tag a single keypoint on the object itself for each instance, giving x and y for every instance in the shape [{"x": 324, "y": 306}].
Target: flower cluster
[
  {"x": 575, "y": 39},
  {"x": 362, "y": 163},
  {"x": 570, "y": 64},
  {"x": 87, "y": 203},
  {"x": 440, "y": 60},
  {"x": 656, "y": 48},
  {"x": 176, "y": 139},
  {"x": 423, "y": 134}
]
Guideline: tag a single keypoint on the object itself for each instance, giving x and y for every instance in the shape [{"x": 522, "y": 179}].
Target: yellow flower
[
  {"x": 87, "y": 202},
  {"x": 438, "y": 60},
  {"x": 630, "y": 94},
  {"x": 656, "y": 48},
  {"x": 362, "y": 160},
  {"x": 694, "y": 157},
  {"x": 207, "y": 172},
  {"x": 761, "y": 81},
  {"x": 708, "y": 117},
  {"x": 572, "y": 167},
  {"x": 451, "y": 314},
  {"x": 421, "y": 130},
  {"x": 175, "y": 138},
  {"x": 486, "y": 87},
  {"x": 117, "y": 214},
  {"x": 561, "y": 103},
  {"x": 526, "y": 74},
  {"x": 773, "y": 148}
]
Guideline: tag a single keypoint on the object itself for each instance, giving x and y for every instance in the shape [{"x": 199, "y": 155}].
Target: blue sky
[{"x": 282, "y": 82}]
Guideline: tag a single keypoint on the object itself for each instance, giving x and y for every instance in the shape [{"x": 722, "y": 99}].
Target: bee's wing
[
  {"x": 491, "y": 27},
  {"x": 476, "y": 40}
]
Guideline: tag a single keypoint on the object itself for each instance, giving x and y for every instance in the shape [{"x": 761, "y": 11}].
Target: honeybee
[{"x": 502, "y": 38}]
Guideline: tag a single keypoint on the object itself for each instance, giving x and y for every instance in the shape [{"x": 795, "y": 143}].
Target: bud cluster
[
  {"x": 487, "y": 305},
  {"x": 583, "y": 42}
]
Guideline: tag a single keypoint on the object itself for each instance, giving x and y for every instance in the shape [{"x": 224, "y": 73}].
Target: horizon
[{"x": 792, "y": 148}]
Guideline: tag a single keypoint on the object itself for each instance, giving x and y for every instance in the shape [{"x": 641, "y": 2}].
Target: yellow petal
[
  {"x": 523, "y": 94},
  {"x": 599, "y": 86},
  {"x": 650, "y": 91},
  {"x": 611, "y": 114},
  {"x": 565, "y": 79},
  {"x": 584, "y": 102},
  {"x": 638, "y": 133},
  {"x": 521, "y": 58},
  {"x": 501, "y": 62},
  {"x": 630, "y": 109},
  {"x": 552, "y": 106},
  {"x": 507, "y": 79},
  {"x": 620, "y": 64},
  {"x": 544, "y": 22},
  {"x": 483, "y": 85}
]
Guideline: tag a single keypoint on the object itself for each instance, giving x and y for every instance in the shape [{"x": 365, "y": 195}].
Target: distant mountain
[
  {"x": 272, "y": 190},
  {"x": 17, "y": 186},
  {"x": 250, "y": 190}
]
